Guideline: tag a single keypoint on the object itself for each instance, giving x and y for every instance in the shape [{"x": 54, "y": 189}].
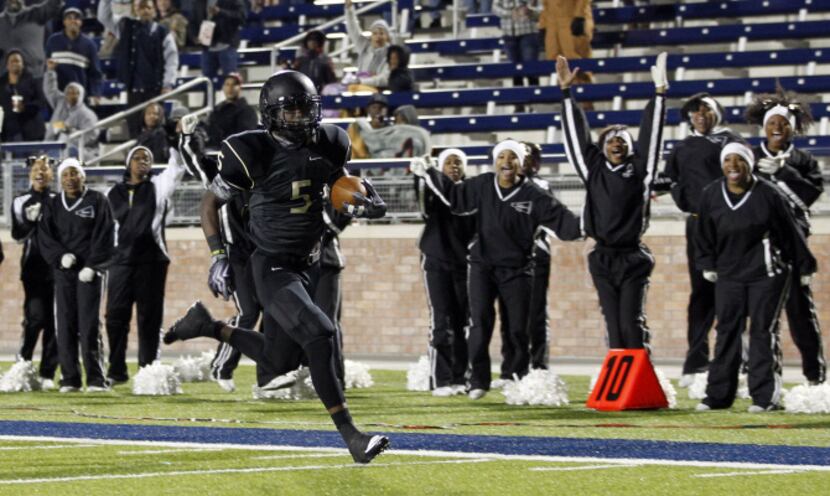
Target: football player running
[{"x": 285, "y": 167}]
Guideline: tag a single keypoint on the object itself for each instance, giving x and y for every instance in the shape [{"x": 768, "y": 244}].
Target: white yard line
[
  {"x": 45, "y": 447},
  {"x": 738, "y": 474},
  {"x": 583, "y": 467},
  {"x": 165, "y": 451},
  {"x": 292, "y": 457},
  {"x": 253, "y": 470}
]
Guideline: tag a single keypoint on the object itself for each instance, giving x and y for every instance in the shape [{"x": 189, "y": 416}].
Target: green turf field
[{"x": 124, "y": 468}]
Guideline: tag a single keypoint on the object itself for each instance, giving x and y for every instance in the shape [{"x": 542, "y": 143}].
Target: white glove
[
  {"x": 189, "y": 123},
  {"x": 658, "y": 71},
  {"x": 770, "y": 165},
  {"x": 67, "y": 261},
  {"x": 710, "y": 275},
  {"x": 419, "y": 165},
  {"x": 86, "y": 275},
  {"x": 806, "y": 279},
  {"x": 33, "y": 212}
]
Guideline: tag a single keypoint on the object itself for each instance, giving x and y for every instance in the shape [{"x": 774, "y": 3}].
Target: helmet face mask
[{"x": 290, "y": 106}]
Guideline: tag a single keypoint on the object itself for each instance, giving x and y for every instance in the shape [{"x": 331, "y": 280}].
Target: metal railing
[{"x": 209, "y": 98}]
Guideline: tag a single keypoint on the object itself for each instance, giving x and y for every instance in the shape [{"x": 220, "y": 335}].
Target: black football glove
[
  {"x": 578, "y": 26},
  {"x": 370, "y": 206},
  {"x": 220, "y": 276}
]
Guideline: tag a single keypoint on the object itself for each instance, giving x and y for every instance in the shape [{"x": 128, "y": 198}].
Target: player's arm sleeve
[
  {"x": 337, "y": 149},
  {"x": 807, "y": 186},
  {"x": 650, "y": 138},
  {"x": 102, "y": 244},
  {"x": 234, "y": 164},
  {"x": 557, "y": 220},
  {"x": 706, "y": 237},
  {"x": 47, "y": 237},
  {"x": 579, "y": 147}
]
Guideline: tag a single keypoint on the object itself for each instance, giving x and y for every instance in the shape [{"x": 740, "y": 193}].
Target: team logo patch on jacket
[
  {"x": 524, "y": 207},
  {"x": 86, "y": 212}
]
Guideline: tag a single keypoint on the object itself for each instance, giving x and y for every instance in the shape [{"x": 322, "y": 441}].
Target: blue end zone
[{"x": 504, "y": 445}]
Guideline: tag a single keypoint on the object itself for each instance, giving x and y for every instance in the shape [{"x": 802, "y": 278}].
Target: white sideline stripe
[
  {"x": 253, "y": 470},
  {"x": 161, "y": 452},
  {"x": 584, "y": 467},
  {"x": 432, "y": 453},
  {"x": 54, "y": 446},
  {"x": 734, "y": 474},
  {"x": 292, "y": 457}
]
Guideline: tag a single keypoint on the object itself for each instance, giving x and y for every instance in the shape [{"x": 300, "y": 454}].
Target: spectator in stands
[
  {"x": 173, "y": 20},
  {"x": 138, "y": 271},
  {"x": 154, "y": 134},
  {"x": 520, "y": 31},
  {"x": 146, "y": 53},
  {"x": 22, "y": 99},
  {"x": 401, "y": 77},
  {"x": 35, "y": 273},
  {"x": 75, "y": 238},
  {"x": 377, "y": 117},
  {"x": 75, "y": 54},
  {"x": 781, "y": 116},
  {"x": 313, "y": 60},
  {"x": 69, "y": 112},
  {"x": 569, "y": 28},
  {"x": 232, "y": 116},
  {"x": 692, "y": 165},
  {"x": 23, "y": 27},
  {"x": 747, "y": 244},
  {"x": 372, "y": 66},
  {"x": 228, "y": 17}
]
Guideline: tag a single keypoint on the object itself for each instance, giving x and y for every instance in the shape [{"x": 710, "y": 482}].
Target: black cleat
[
  {"x": 197, "y": 322},
  {"x": 365, "y": 447}
]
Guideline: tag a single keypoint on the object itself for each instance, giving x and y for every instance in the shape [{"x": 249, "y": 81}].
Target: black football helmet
[{"x": 290, "y": 106}]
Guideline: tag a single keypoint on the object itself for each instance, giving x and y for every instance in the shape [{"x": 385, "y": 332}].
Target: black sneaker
[
  {"x": 197, "y": 322},
  {"x": 365, "y": 447}
]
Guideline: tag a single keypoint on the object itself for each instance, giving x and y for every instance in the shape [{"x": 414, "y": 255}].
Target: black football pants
[
  {"x": 701, "y": 309},
  {"x": 761, "y": 301},
  {"x": 512, "y": 286},
  {"x": 142, "y": 285},
  {"x": 621, "y": 278},
  {"x": 39, "y": 315},
  {"x": 76, "y": 305},
  {"x": 446, "y": 288}
]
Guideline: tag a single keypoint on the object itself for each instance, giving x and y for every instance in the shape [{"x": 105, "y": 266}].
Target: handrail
[
  {"x": 275, "y": 49},
  {"x": 78, "y": 135}
]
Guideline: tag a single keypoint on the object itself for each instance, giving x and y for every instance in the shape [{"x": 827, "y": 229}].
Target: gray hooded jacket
[{"x": 74, "y": 118}]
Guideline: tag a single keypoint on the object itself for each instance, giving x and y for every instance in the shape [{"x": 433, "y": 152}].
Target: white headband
[
  {"x": 135, "y": 149},
  {"x": 514, "y": 146},
  {"x": 741, "y": 150},
  {"x": 71, "y": 163},
  {"x": 453, "y": 151},
  {"x": 712, "y": 104},
  {"x": 783, "y": 112},
  {"x": 619, "y": 133}
]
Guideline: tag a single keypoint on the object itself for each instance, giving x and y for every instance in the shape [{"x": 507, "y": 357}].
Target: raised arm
[
  {"x": 50, "y": 87},
  {"x": 650, "y": 138},
  {"x": 579, "y": 148},
  {"x": 353, "y": 26},
  {"x": 108, "y": 18}
]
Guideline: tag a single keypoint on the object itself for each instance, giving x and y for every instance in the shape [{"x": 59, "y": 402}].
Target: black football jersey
[{"x": 286, "y": 185}]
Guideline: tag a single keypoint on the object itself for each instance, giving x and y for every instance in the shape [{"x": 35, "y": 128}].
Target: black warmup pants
[
  {"x": 805, "y": 330},
  {"x": 621, "y": 278},
  {"x": 77, "y": 305},
  {"x": 326, "y": 294},
  {"x": 512, "y": 286},
  {"x": 282, "y": 289},
  {"x": 446, "y": 288},
  {"x": 761, "y": 301},
  {"x": 537, "y": 322},
  {"x": 142, "y": 284},
  {"x": 39, "y": 315},
  {"x": 701, "y": 310}
]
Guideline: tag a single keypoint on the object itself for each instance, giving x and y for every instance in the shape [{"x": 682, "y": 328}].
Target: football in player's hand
[{"x": 343, "y": 192}]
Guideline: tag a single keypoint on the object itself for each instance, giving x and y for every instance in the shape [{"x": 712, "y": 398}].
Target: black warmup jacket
[
  {"x": 694, "y": 163},
  {"x": 541, "y": 247},
  {"x": 617, "y": 198},
  {"x": 32, "y": 264},
  {"x": 751, "y": 237},
  {"x": 82, "y": 227},
  {"x": 800, "y": 180},
  {"x": 506, "y": 220},
  {"x": 445, "y": 236}
]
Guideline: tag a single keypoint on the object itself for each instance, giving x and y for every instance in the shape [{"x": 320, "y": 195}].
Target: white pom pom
[
  {"x": 21, "y": 378},
  {"x": 697, "y": 391},
  {"x": 668, "y": 389},
  {"x": 808, "y": 399},
  {"x": 191, "y": 369},
  {"x": 417, "y": 377},
  {"x": 157, "y": 379},
  {"x": 357, "y": 375},
  {"x": 538, "y": 387}
]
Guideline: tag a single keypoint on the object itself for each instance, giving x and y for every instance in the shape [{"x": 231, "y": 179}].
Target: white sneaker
[
  {"x": 761, "y": 409},
  {"x": 458, "y": 389},
  {"x": 702, "y": 407},
  {"x": 477, "y": 394},
  {"x": 69, "y": 389},
  {"x": 686, "y": 380},
  {"x": 259, "y": 393},
  {"x": 227, "y": 385},
  {"x": 499, "y": 383},
  {"x": 46, "y": 384},
  {"x": 443, "y": 392},
  {"x": 98, "y": 389}
]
